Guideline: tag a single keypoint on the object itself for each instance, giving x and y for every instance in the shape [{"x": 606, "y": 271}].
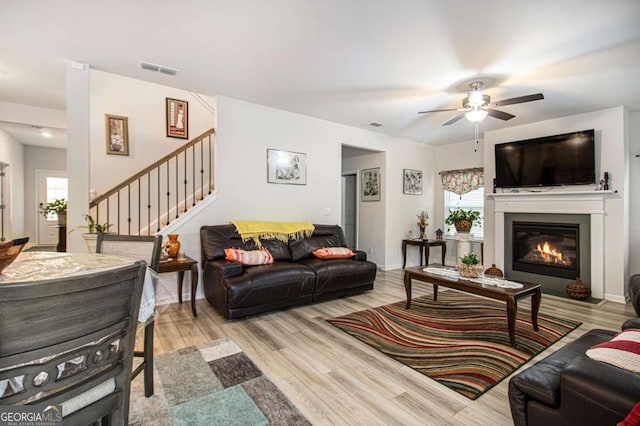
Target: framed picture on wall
[
  {"x": 286, "y": 167},
  {"x": 412, "y": 182},
  {"x": 117, "y": 134},
  {"x": 371, "y": 184},
  {"x": 177, "y": 118}
]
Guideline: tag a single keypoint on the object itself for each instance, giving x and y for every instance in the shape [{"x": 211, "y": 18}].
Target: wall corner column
[{"x": 78, "y": 133}]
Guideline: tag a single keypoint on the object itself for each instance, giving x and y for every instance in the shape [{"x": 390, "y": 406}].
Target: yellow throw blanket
[{"x": 282, "y": 231}]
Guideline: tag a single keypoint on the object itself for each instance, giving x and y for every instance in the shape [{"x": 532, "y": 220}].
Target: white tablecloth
[{"x": 36, "y": 266}]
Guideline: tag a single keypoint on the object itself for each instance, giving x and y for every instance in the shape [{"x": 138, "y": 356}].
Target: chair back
[
  {"x": 70, "y": 341},
  {"x": 134, "y": 247}
]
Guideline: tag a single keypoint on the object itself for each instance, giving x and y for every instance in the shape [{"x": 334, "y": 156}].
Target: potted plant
[
  {"x": 94, "y": 229},
  {"x": 59, "y": 208},
  {"x": 470, "y": 266},
  {"x": 462, "y": 219}
]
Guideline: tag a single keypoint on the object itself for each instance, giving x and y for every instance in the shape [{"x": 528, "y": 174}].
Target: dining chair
[
  {"x": 137, "y": 247},
  {"x": 70, "y": 341}
]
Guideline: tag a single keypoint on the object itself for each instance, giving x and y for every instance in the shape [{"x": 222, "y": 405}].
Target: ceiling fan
[{"x": 476, "y": 106}]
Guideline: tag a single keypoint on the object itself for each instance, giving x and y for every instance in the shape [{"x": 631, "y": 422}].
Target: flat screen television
[{"x": 567, "y": 159}]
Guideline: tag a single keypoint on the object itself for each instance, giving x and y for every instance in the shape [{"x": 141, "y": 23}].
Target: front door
[{"x": 51, "y": 185}]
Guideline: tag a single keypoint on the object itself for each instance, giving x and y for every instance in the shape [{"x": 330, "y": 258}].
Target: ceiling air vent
[{"x": 158, "y": 68}]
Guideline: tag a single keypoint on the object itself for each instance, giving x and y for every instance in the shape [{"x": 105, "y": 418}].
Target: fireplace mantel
[
  {"x": 563, "y": 202},
  {"x": 586, "y": 202}
]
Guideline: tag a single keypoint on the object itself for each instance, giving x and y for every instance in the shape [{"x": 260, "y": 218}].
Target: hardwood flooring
[{"x": 334, "y": 379}]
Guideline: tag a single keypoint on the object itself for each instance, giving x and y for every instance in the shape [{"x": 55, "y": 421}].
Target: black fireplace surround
[{"x": 568, "y": 234}]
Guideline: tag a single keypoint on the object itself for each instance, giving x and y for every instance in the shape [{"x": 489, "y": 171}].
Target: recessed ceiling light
[{"x": 376, "y": 124}]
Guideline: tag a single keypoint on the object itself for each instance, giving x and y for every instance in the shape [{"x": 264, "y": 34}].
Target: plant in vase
[
  {"x": 94, "y": 228},
  {"x": 462, "y": 219},
  {"x": 470, "y": 266},
  {"x": 57, "y": 207},
  {"x": 423, "y": 217}
]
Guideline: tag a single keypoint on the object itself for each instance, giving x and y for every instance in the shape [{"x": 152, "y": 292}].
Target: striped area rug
[{"x": 461, "y": 341}]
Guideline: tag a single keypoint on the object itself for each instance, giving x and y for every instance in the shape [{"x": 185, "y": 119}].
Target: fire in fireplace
[{"x": 546, "y": 248}]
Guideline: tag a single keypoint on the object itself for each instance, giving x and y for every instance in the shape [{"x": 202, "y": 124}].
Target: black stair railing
[{"x": 161, "y": 192}]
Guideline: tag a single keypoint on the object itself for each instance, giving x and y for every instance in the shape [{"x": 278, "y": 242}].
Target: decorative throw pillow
[
  {"x": 249, "y": 258},
  {"x": 633, "y": 418},
  {"x": 333, "y": 253},
  {"x": 623, "y": 350}
]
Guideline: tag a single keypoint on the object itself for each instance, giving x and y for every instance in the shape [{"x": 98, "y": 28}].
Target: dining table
[{"x": 42, "y": 266}]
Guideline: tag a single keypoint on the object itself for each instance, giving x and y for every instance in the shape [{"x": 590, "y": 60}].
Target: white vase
[{"x": 91, "y": 240}]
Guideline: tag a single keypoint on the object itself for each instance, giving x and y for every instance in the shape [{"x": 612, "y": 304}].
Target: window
[
  {"x": 56, "y": 188},
  {"x": 471, "y": 200}
]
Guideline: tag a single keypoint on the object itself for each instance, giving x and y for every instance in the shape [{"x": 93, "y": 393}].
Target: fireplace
[
  {"x": 546, "y": 248},
  {"x": 550, "y": 249}
]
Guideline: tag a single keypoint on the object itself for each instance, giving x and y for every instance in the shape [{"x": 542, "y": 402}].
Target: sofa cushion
[
  {"x": 333, "y": 253},
  {"x": 269, "y": 284},
  {"x": 323, "y": 236},
  {"x": 623, "y": 350},
  {"x": 340, "y": 274},
  {"x": 278, "y": 249},
  {"x": 216, "y": 238},
  {"x": 248, "y": 257}
]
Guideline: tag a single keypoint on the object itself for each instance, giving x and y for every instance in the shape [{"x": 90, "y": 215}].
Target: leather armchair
[{"x": 568, "y": 387}]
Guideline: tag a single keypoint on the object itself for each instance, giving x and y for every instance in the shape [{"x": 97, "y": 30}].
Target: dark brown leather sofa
[
  {"x": 569, "y": 388},
  {"x": 296, "y": 277}
]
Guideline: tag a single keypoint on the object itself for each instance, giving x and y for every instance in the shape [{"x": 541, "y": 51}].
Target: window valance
[{"x": 463, "y": 180}]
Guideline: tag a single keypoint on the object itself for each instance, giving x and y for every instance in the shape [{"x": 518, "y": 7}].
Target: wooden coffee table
[{"x": 509, "y": 295}]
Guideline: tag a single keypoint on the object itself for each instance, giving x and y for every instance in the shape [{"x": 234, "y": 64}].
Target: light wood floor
[{"x": 334, "y": 379}]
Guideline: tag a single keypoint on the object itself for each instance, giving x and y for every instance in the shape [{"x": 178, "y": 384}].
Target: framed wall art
[
  {"x": 177, "y": 118},
  {"x": 371, "y": 184},
  {"x": 117, "y": 134},
  {"x": 286, "y": 167},
  {"x": 412, "y": 182}
]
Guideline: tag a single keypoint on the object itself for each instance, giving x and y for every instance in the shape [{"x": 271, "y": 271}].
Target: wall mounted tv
[{"x": 567, "y": 159}]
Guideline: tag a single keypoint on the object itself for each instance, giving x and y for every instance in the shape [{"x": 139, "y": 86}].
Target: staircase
[{"x": 161, "y": 192}]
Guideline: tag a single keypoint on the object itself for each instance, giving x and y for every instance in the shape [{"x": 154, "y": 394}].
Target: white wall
[
  {"x": 634, "y": 192},
  {"x": 12, "y": 153},
  {"x": 38, "y": 158},
  {"x": 245, "y": 131},
  {"x": 611, "y": 156},
  {"x": 455, "y": 156},
  {"x": 143, "y": 104}
]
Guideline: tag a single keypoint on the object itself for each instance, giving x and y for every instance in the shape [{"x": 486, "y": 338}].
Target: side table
[
  {"x": 423, "y": 244},
  {"x": 180, "y": 266}
]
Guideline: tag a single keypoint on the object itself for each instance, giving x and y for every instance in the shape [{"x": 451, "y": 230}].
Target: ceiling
[{"x": 347, "y": 61}]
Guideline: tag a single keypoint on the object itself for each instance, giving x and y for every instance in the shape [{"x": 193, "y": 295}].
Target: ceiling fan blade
[
  {"x": 437, "y": 110},
  {"x": 500, "y": 114},
  {"x": 453, "y": 120},
  {"x": 518, "y": 100}
]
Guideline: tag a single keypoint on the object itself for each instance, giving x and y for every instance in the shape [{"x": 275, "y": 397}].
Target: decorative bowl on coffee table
[{"x": 470, "y": 271}]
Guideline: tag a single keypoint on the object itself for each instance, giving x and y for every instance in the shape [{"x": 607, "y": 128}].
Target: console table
[
  {"x": 423, "y": 244},
  {"x": 180, "y": 266}
]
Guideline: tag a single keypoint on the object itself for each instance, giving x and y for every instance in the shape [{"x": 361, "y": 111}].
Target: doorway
[
  {"x": 350, "y": 209},
  {"x": 51, "y": 185}
]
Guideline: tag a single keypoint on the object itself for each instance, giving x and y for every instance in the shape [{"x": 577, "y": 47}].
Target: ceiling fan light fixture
[{"x": 476, "y": 115}]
